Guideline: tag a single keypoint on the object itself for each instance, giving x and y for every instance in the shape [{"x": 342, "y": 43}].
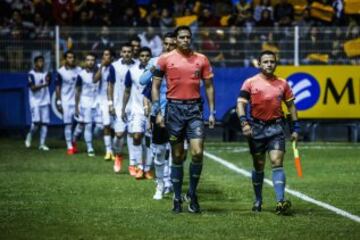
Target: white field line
[
  {"x": 324, "y": 147},
  {"x": 300, "y": 195}
]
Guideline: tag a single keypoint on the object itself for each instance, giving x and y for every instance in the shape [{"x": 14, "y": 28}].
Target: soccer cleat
[
  {"x": 132, "y": 170},
  {"x": 70, "y": 151},
  {"x": 159, "y": 191},
  {"x": 177, "y": 206},
  {"x": 117, "y": 163},
  {"x": 44, "y": 147},
  {"x": 148, "y": 175},
  {"x": 193, "y": 206},
  {"x": 139, "y": 174},
  {"x": 28, "y": 140},
  {"x": 108, "y": 156},
  {"x": 283, "y": 207},
  {"x": 75, "y": 149},
  {"x": 91, "y": 153},
  {"x": 256, "y": 206}
]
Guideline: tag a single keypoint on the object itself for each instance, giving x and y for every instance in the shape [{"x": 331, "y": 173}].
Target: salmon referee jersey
[
  {"x": 265, "y": 96},
  {"x": 183, "y": 73}
]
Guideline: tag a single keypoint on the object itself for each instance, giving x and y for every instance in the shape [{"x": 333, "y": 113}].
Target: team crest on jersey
[
  {"x": 74, "y": 79},
  {"x": 197, "y": 73}
]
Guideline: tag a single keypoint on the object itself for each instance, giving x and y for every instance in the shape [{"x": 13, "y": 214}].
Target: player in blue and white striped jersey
[
  {"x": 65, "y": 96},
  {"x": 85, "y": 100},
  {"x": 116, "y": 87},
  {"x": 39, "y": 98},
  {"x": 102, "y": 76}
]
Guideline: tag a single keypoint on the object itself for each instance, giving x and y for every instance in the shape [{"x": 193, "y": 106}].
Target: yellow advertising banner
[{"x": 324, "y": 92}]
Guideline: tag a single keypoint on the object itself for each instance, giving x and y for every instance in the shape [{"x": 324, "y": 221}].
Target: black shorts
[
  {"x": 159, "y": 134},
  {"x": 267, "y": 136},
  {"x": 184, "y": 120}
]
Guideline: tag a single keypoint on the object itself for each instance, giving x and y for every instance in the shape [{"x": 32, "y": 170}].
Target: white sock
[
  {"x": 148, "y": 157},
  {"x": 67, "y": 131},
  {"x": 167, "y": 168},
  {"x": 130, "y": 145},
  {"x": 118, "y": 144},
  {"x": 79, "y": 128},
  {"x": 138, "y": 156},
  {"x": 107, "y": 142},
  {"x": 43, "y": 134},
  {"x": 88, "y": 136},
  {"x": 159, "y": 151}
]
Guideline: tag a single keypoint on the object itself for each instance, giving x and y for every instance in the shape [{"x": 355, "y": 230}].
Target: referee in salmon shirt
[
  {"x": 265, "y": 93},
  {"x": 184, "y": 69}
]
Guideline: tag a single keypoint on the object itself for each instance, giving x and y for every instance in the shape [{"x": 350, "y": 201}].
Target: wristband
[
  {"x": 295, "y": 126},
  {"x": 58, "y": 102},
  {"x": 110, "y": 103}
]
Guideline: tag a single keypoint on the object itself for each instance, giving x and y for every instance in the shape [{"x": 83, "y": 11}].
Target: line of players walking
[{"x": 113, "y": 96}]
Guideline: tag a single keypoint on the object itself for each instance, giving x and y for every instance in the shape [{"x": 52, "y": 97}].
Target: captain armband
[
  {"x": 158, "y": 73},
  {"x": 244, "y": 94}
]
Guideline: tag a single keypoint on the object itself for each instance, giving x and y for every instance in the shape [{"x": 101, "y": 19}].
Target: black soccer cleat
[
  {"x": 282, "y": 207},
  {"x": 177, "y": 206},
  {"x": 193, "y": 206},
  {"x": 256, "y": 206}
]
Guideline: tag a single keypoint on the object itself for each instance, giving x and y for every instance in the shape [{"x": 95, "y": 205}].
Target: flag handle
[{"x": 297, "y": 160}]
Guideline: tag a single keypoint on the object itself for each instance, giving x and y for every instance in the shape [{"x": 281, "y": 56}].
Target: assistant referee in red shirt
[{"x": 183, "y": 70}]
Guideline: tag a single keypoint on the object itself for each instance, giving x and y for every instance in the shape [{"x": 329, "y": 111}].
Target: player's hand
[
  {"x": 295, "y": 137},
  {"x": 211, "y": 121},
  {"x": 246, "y": 130},
  {"x": 160, "y": 120},
  {"x": 112, "y": 110},
  {"x": 123, "y": 115}
]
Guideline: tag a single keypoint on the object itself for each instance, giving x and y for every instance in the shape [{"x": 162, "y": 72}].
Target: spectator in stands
[
  {"x": 305, "y": 22},
  {"x": 313, "y": 49},
  {"x": 43, "y": 8},
  {"x": 64, "y": 10},
  {"x": 337, "y": 55},
  {"x": 130, "y": 18},
  {"x": 264, "y": 5},
  {"x": 166, "y": 21},
  {"x": 151, "y": 40},
  {"x": 104, "y": 42},
  {"x": 207, "y": 19},
  {"x": 210, "y": 44},
  {"x": 234, "y": 47},
  {"x": 284, "y": 13},
  {"x": 243, "y": 14},
  {"x": 265, "y": 19}
]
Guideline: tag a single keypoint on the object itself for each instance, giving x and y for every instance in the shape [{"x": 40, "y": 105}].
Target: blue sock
[
  {"x": 177, "y": 174},
  {"x": 257, "y": 181},
  {"x": 195, "y": 172},
  {"x": 278, "y": 178}
]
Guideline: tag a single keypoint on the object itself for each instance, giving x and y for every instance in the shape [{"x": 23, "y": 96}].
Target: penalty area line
[{"x": 297, "y": 194}]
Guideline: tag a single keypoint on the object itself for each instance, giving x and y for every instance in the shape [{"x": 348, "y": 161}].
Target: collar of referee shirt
[{"x": 187, "y": 53}]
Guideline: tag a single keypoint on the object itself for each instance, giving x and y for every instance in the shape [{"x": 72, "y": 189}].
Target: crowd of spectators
[{"x": 224, "y": 28}]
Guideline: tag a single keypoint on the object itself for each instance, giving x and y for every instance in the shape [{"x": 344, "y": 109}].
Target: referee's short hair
[
  {"x": 69, "y": 52},
  {"x": 180, "y": 28},
  {"x": 266, "y": 52},
  {"x": 38, "y": 58},
  {"x": 126, "y": 44}
]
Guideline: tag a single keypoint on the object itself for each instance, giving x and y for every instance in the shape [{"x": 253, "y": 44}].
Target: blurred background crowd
[{"x": 230, "y": 32}]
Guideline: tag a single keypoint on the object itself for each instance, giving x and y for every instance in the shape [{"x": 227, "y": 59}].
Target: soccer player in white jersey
[
  {"x": 102, "y": 76},
  {"x": 160, "y": 136},
  {"x": 135, "y": 116},
  {"x": 39, "y": 98},
  {"x": 118, "y": 71},
  {"x": 65, "y": 96},
  {"x": 85, "y": 100}
]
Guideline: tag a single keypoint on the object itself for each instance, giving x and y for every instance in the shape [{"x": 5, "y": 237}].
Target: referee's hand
[
  {"x": 211, "y": 121},
  {"x": 246, "y": 130}
]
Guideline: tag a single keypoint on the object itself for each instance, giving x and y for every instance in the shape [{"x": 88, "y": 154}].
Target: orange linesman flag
[{"x": 297, "y": 160}]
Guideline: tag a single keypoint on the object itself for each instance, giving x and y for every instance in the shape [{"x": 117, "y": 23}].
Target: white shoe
[
  {"x": 159, "y": 192},
  {"x": 28, "y": 140},
  {"x": 91, "y": 153},
  {"x": 44, "y": 148}
]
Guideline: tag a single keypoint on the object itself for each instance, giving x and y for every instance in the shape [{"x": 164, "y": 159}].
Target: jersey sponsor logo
[
  {"x": 306, "y": 90},
  {"x": 53, "y": 106}
]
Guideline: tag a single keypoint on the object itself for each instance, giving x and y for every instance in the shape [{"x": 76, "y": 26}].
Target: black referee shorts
[
  {"x": 267, "y": 136},
  {"x": 184, "y": 118}
]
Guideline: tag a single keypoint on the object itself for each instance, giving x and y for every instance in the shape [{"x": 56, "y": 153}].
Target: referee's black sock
[
  {"x": 177, "y": 174},
  {"x": 195, "y": 173}
]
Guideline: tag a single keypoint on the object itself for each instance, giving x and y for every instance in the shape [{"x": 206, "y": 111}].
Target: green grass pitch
[{"x": 48, "y": 195}]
